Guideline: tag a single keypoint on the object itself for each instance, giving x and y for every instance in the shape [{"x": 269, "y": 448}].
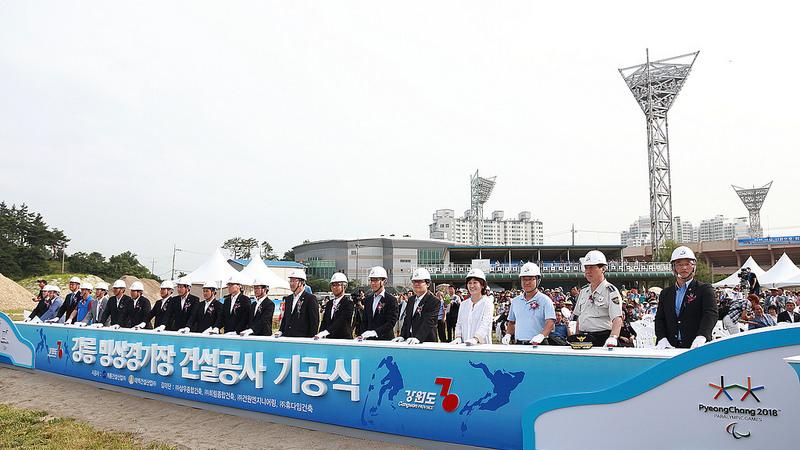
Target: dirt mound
[
  {"x": 14, "y": 296},
  {"x": 152, "y": 288}
]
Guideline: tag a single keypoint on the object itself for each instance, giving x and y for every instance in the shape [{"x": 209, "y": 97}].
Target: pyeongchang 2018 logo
[{"x": 744, "y": 396}]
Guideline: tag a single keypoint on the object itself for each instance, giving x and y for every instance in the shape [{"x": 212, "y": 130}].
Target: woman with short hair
[{"x": 474, "y": 325}]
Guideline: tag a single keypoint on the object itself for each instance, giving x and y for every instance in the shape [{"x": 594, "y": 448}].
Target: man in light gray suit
[{"x": 98, "y": 305}]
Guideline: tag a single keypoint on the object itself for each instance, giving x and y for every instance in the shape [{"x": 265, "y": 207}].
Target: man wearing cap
[
  {"x": 83, "y": 306},
  {"x": 790, "y": 315},
  {"x": 98, "y": 304},
  {"x": 301, "y": 310},
  {"x": 141, "y": 307},
  {"x": 338, "y": 314},
  {"x": 159, "y": 309},
  {"x": 687, "y": 310},
  {"x": 42, "y": 283},
  {"x": 262, "y": 311},
  {"x": 599, "y": 308},
  {"x": 421, "y": 312},
  {"x": 206, "y": 315},
  {"x": 236, "y": 313},
  {"x": 49, "y": 306},
  {"x": 380, "y": 309},
  {"x": 180, "y": 307},
  {"x": 70, "y": 301},
  {"x": 452, "y": 312},
  {"x": 119, "y": 308},
  {"x": 531, "y": 316}
]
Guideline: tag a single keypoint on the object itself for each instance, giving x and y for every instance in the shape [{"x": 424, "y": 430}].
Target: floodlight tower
[
  {"x": 753, "y": 199},
  {"x": 654, "y": 85},
  {"x": 480, "y": 189}
]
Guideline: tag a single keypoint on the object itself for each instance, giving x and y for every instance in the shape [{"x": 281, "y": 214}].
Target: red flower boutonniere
[
  {"x": 419, "y": 308},
  {"x": 186, "y": 306},
  {"x": 533, "y": 304},
  {"x": 690, "y": 298}
]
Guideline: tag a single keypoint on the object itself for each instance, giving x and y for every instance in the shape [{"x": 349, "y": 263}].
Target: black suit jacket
[
  {"x": 177, "y": 317},
  {"x": 119, "y": 310},
  {"x": 238, "y": 319},
  {"x": 202, "y": 318},
  {"x": 697, "y": 317},
  {"x": 304, "y": 322},
  {"x": 40, "y": 309},
  {"x": 452, "y": 315},
  {"x": 383, "y": 319},
  {"x": 69, "y": 305},
  {"x": 339, "y": 326},
  {"x": 141, "y": 312},
  {"x": 784, "y": 317},
  {"x": 421, "y": 318},
  {"x": 261, "y": 318},
  {"x": 158, "y": 312}
]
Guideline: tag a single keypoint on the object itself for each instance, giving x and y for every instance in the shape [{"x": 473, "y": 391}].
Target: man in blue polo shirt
[{"x": 532, "y": 315}]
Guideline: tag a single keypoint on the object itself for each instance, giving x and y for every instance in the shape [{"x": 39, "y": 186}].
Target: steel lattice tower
[
  {"x": 753, "y": 199},
  {"x": 654, "y": 85},
  {"x": 480, "y": 190}
]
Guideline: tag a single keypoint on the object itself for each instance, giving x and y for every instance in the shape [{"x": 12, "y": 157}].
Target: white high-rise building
[
  {"x": 496, "y": 231},
  {"x": 718, "y": 228},
  {"x": 682, "y": 230},
  {"x": 638, "y": 234}
]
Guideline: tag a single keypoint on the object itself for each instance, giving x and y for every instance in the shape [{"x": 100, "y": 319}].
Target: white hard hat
[
  {"x": 51, "y": 288},
  {"x": 86, "y": 285},
  {"x": 378, "y": 272},
  {"x": 594, "y": 258},
  {"x": 75, "y": 280},
  {"x": 119, "y": 284},
  {"x": 529, "y": 269},
  {"x": 421, "y": 273},
  {"x": 102, "y": 285},
  {"x": 298, "y": 273},
  {"x": 261, "y": 281},
  {"x": 339, "y": 277},
  {"x": 185, "y": 281},
  {"x": 210, "y": 285},
  {"x": 476, "y": 273},
  {"x": 238, "y": 279},
  {"x": 682, "y": 252},
  {"x": 137, "y": 286},
  {"x": 166, "y": 284}
]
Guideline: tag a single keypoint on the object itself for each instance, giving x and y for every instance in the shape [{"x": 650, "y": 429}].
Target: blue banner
[{"x": 777, "y": 240}]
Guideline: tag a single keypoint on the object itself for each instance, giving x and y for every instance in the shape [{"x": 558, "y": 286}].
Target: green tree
[
  {"x": 267, "y": 252},
  {"x": 702, "y": 272},
  {"x": 93, "y": 263},
  {"x": 26, "y": 241},
  {"x": 288, "y": 255},
  {"x": 240, "y": 247},
  {"x": 126, "y": 263},
  {"x": 319, "y": 284}
]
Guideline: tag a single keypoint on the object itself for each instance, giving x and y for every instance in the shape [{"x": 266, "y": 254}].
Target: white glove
[
  {"x": 412, "y": 341},
  {"x": 538, "y": 339},
  {"x": 506, "y": 339},
  {"x": 663, "y": 343},
  {"x": 80, "y": 324},
  {"x": 322, "y": 334},
  {"x": 53, "y": 320},
  {"x": 611, "y": 342},
  {"x": 68, "y": 322},
  {"x": 277, "y": 334},
  {"x": 215, "y": 330},
  {"x": 456, "y": 341},
  {"x": 114, "y": 327},
  {"x": 140, "y": 326},
  {"x": 471, "y": 342},
  {"x": 97, "y": 325},
  {"x": 231, "y": 333},
  {"x": 246, "y": 332},
  {"x": 160, "y": 328},
  {"x": 183, "y": 330},
  {"x": 399, "y": 339},
  {"x": 699, "y": 341},
  {"x": 369, "y": 334}
]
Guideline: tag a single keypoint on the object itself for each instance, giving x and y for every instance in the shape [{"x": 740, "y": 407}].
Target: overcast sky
[{"x": 142, "y": 125}]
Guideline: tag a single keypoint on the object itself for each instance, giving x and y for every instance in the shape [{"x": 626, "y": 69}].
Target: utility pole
[
  {"x": 175, "y": 249},
  {"x": 573, "y": 234},
  {"x": 153, "y": 266},
  {"x": 62, "y": 259}
]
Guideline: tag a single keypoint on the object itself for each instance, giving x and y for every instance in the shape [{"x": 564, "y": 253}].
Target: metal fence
[{"x": 552, "y": 267}]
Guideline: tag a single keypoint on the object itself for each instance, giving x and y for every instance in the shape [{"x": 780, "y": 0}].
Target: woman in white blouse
[{"x": 475, "y": 314}]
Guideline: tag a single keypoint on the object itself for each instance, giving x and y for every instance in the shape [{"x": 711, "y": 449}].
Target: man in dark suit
[
  {"x": 180, "y": 307},
  {"x": 262, "y": 311},
  {"x": 422, "y": 311},
  {"x": 236, "y": 312},
  {"x": 206, "y": 316},
  {"x": 687, "y": 311},
  {"x": 141, "y": 307},
  {"x": 70, "y": 301},
  {"x": 380, "y": 309},
  {"x": 452, "y": 313},
  {"x": 338, "y": 314},
  {"x": 790, "y": 315},
  {"x": 301, "y": 310},
  {"x": 159, "y": 310},
  {"x": 119, "y": 308}
]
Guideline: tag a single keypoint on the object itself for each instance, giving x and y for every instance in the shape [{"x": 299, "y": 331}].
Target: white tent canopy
[
  {"x": 257, "y": 269},
  {"x": 783, "y": 271},
  {"x": 734, "y": 280},
  {"x": 215, "y": 269}
]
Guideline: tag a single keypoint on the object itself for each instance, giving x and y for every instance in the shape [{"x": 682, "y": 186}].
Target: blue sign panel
[{"x": 777, "y": 240}]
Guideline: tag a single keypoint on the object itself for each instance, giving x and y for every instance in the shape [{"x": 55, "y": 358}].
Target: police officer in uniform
[{"x": 598, "y": 307}]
